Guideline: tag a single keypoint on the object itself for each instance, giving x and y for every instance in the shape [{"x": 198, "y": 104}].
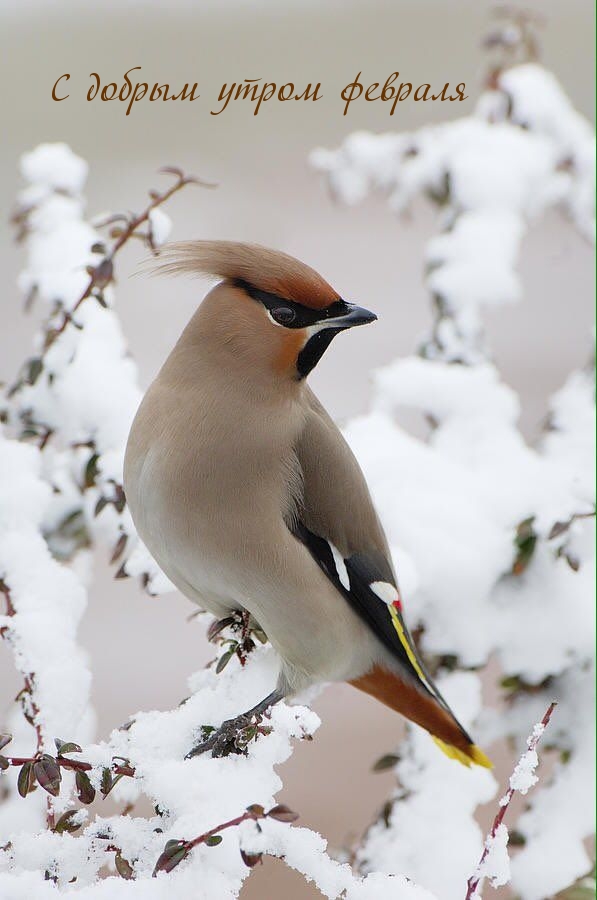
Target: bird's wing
[{"x": 337, "y": 523}]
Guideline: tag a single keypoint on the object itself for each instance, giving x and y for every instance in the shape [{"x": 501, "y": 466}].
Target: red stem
[
  {"x": 29, "y": 680},
  {"x": 127, "y": 233},
  {"x": 533, "y": 740},
  {"x": 232, "y": 823},
  {"x": 78, "y": 765},
  {"x": 28, "y": 677}
]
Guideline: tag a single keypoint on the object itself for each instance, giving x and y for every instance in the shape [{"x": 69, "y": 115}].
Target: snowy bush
[
  {"x": 65, "y": 423},
  {"x": 492, "y": 538},
  {"x": 495, "y": 536}
]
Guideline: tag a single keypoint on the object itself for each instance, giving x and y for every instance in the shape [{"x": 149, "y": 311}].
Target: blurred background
[{"x": 267, "y": 193}]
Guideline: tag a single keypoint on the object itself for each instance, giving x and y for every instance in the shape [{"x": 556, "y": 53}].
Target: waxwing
[{"x": 249, "y": 498}]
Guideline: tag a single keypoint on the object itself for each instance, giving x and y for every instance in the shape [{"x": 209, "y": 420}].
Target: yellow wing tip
[
  {"x": 474, "y": 755},
  {"x": 480, "y": 758}
]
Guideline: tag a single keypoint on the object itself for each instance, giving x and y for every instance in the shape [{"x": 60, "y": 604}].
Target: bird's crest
[{"x": 262, "y": 268}]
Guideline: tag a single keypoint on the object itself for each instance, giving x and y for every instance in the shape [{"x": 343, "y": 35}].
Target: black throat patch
[
  {"x": 305, "y": 317},
  {"x": 314, "y": 350}
]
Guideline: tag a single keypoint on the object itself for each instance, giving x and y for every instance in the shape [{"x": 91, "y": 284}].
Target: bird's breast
[{"x": 206, "y": 490}]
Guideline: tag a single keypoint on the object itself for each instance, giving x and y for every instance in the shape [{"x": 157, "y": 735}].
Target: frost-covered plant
[
  {"x": 494, "y": 537},
  {"x": 64, "y": 425}
]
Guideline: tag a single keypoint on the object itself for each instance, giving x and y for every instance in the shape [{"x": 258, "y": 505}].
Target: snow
[
  {"x": 496, "y": 866},
  {"x": 538, "y": 100},
  {"x": 160, "y": 227},
  {"x": 433, "y": 807},
  {"x": 452, "y": 504},
  {"x": 88, "y": 390},
  {"x": 55, "y": 166},
  {"x": 524, "y": 776},
  {"x": 48, "y": 600},
  {"x": 85, "y": 395}
]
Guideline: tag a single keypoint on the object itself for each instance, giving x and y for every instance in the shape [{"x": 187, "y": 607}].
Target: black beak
[
  {"x": 356, "y": 315},
  {"x": 326, "y": 330}
]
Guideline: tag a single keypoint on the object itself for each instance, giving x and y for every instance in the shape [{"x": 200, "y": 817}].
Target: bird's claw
[{"x": 232, "y": 736}]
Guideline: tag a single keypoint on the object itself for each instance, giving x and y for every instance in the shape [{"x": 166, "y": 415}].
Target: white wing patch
[
  {"x": 385, "y": 591},
  {"x": 340, "y": 566}
]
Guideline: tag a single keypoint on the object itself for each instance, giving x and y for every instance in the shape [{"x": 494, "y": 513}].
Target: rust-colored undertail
[{"x": 425, "y": 711}]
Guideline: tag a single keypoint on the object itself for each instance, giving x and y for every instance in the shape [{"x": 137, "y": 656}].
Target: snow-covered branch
[
  {"x": 61, "y": 448},
  {"x": 494, "y": 863}
]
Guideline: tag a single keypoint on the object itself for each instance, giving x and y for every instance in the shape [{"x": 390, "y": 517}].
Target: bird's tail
[
  {"x": 427, "y": 710},
  {"x": 473, "y": 755}
]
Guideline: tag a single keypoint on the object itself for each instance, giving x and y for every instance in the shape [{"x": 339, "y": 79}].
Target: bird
[{"x": 249, "y": 498}]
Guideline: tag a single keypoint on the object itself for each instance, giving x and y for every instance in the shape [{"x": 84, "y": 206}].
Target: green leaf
[
  {"x": 225, "y": 659},
  {"x": 386, "y": 762},
  {"x": 48, "y": 774},
  {"x": 26, "y": 779},
  {"x": 66, "y": 747},
  {"x": 174, "y": 852},
  {"x": 115, "y": 780},
  {"x": 248, "y": 734},
  {"x": 107, "y": 782},
  {"x": 4, "y": 763},
  {"x": 4, "y": 740},
  {"x": 525, "y": 541},
  {"x": 511, "y": 683},
  {"x": 386, "y": 812},
  {"x": 34, "y": 369},
  {"x": 213, "y": 840},
  {"x": 65, "y": 823},
  {"x": 517, "y": 838},
  {"x": 91, "y": 470},
  {"x": 582, "y": 889},
  {"x": 101, "y": 504},
  {"x": 123, "y": 867},
  {"x": 85, "y": 790}
]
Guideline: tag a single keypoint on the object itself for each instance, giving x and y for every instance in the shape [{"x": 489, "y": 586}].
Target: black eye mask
[
  {"x": 332, "y": 319},
  {"x": 303, "y": 315}
]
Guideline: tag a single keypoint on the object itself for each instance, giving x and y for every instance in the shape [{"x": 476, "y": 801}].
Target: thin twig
[
  {"x": 28, "y": 677},
  {"x": 77, "y": 765},
  {"x": 102, "y": 274},
  {"x": 175, "y": 851},
  {"x": 477, "y": 877},
  {"x": 33, "y": 711}
]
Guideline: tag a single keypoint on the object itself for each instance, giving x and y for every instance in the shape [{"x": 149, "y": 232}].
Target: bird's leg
[
  {"x": 245, "y": 645},
  {"x": 233, "y": 735}
]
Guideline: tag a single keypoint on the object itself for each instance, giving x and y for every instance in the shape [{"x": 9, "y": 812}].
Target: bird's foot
[{"x": 233, "y": 736}]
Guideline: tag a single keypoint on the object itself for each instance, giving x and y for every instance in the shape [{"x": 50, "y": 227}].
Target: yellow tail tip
[{"x": 474, "y": 754}]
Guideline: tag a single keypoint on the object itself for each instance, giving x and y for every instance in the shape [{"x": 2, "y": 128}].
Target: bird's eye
[{"x": 283, "y": 315}]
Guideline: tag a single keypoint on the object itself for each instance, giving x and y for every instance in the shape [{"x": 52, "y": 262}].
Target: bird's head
[{"x": 271, "y": 313}]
